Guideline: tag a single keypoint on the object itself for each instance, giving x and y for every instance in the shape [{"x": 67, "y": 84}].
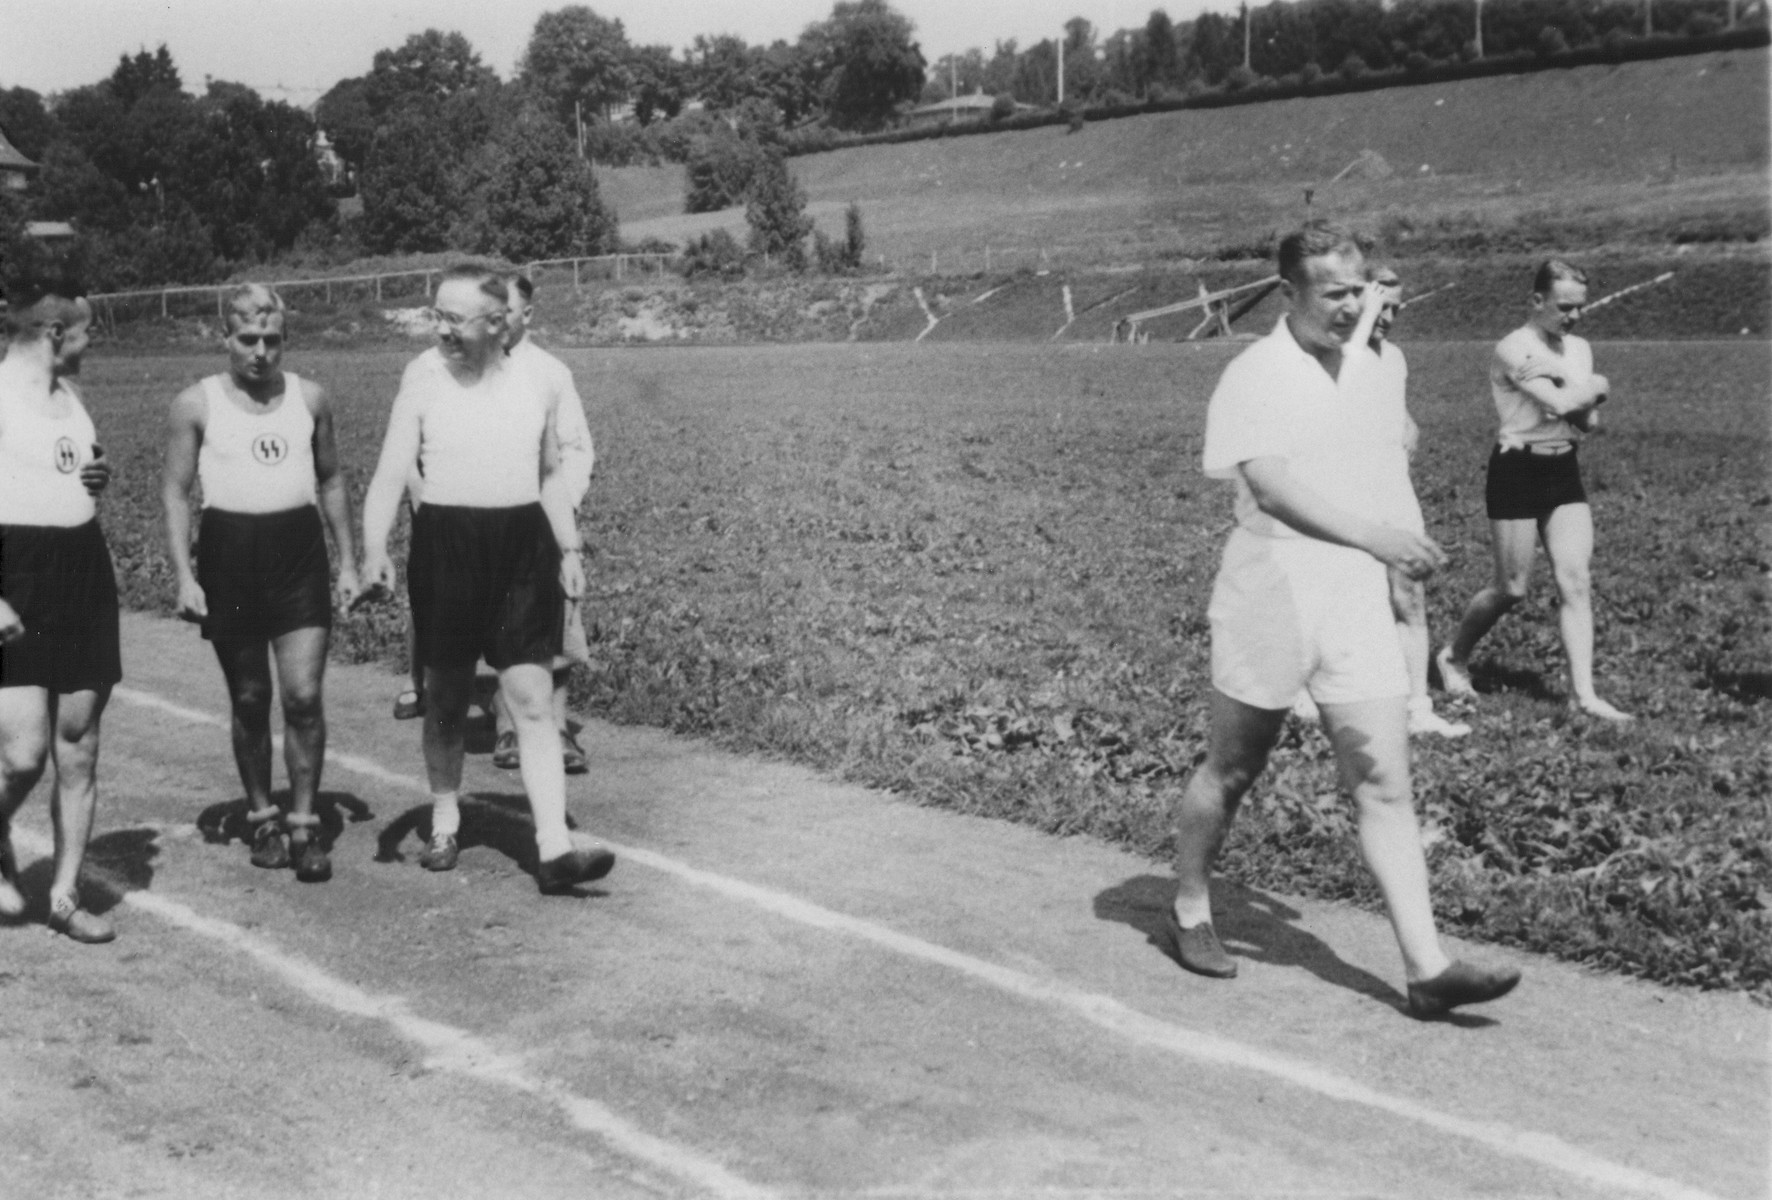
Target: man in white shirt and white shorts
[{"x": 1301, "y": 602}]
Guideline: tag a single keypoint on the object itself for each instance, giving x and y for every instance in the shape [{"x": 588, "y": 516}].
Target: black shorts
[
  {"x": 484, "y": 583},
  {"x": 1523, "y": 486},
  {"x": 263, "y": 574},
  {"x": 61, "y": 584}
]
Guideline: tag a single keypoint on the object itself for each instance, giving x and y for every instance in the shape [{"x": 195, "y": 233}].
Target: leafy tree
[
  {"x": 721, "y": 169},
  {"x": 136, "y": 77},
  {"x": 776, "y": 213},
  {"x": 1160, "y": 58},
  {"x": 867, "y": 60},
  {"x": 659, "y": 83},
  {"x": 576, "y": 57},
  {"x": 345, "y": 115},
  {"x": 428, "y": 68},
  {"x": 533, "y": 197},
  {"x": 409, "y": 185},
  {"x": 26, "y": 123}
]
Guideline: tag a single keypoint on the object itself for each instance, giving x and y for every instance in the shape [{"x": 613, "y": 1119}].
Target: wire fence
[{"x": 378, "y": 288}]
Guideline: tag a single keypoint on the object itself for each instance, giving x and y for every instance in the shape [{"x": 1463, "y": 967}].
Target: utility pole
[
  {"x": 1479, "y": 28},
  {"x": 953, "y": 90},
  {"x": 1648, "y": 19},
  {"x": 1061, "y": 67},
  {"x": 1246, "y": 65},
  {"x": 578, "y": 116}
]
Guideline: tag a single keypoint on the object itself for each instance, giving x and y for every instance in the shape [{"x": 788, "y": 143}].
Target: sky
[{"x": 294, "y": 50}]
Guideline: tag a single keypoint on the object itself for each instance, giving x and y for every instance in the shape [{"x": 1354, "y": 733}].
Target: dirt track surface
[{"x": 788, "y": 987}]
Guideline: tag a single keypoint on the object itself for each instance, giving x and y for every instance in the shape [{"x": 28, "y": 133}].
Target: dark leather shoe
[
  {"x": 67, "y": 918},
  {"x": 505, "y": 754},
  {"x": 440, "y": 853},
  {"x": 311, "y": 862},
  {"x": 1198, "y": 949},
  {"x": 562, "y": 874},
  {"x": 1461, "y": 983}
]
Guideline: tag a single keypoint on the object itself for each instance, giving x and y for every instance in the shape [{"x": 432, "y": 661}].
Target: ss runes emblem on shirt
[
  {"x": 270, "y": 449},
  {"x": 67, "y": 456}
]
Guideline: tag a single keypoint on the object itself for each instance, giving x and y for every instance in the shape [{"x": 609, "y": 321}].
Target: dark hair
[
  {"x": 1315, "y": 240},
  {"x": 26, "y": 285},
  {"x": 1553, "y": 269},
  {"x": 525, "y": 285},
  {"x": 489, "y": 279}
]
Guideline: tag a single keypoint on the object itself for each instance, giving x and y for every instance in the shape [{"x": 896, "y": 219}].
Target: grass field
[
  {"x": 1642, "y": 153},
  {"x": 977, "y": 574}
]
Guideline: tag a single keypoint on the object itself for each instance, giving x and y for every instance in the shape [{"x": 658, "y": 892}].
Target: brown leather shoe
[
  {"x": 1460, "y": 983},
  {"x": 559, "y": 875},
  {"x": 1198, "y": 949}
]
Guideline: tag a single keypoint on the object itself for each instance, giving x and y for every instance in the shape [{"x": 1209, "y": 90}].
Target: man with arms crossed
[
  {"x": 577, "y": 457},
  {"x": 59, "y": 653},
  {"x": 260, "y": 440},
  {"x": 494, "y": 555},
  {"x": 1547, "y": 395},
  {"x": 1301, "y": 602}
]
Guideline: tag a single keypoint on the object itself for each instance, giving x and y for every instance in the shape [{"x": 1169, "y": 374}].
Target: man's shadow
[
  {"x": 1256, "y": 927},
  {"x": 226, "y": 822},
  {"x": 126, "y": 856},
  {"x": 492, "y": 819}
]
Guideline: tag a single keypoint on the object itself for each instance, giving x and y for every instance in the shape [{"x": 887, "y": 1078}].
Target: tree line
[{"x": 445, "y": 155}]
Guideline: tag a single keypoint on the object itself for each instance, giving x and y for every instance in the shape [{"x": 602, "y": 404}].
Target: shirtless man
[{"x": 260, "y": 440}]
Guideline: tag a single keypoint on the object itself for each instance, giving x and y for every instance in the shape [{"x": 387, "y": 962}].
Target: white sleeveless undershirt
[
  {"x": 40, "y": 460},
  {"x": 480, "y": 444},
  {"x": 256, "y": 462}
]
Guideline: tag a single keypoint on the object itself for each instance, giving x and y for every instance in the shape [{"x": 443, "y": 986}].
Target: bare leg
[
  {"x": 447, "y": 692},
  {"x": 1569, "y": 541},
  {"x": 1240, "y": 740},
  {"x": 1409, "y": 608},
  {"x": 527, "y": 689},
  {"x": 1372, "y": 754},
  {"x": 1513, "y": 543},
  {"x": 24, "y": 752},
  {"x": 76, "y": 784},
  {"x": 246, "y": 667}
]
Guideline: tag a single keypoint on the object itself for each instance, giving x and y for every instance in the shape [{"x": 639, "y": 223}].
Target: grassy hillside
[{"x": 1641, "y": 153}]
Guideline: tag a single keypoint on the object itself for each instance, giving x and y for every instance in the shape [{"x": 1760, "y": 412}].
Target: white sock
[
  {"x": 445, "y": 814},
  {"x": 553, "y": 843}
]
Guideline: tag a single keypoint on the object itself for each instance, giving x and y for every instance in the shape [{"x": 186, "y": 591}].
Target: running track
[{"x": 787, "y": 988}]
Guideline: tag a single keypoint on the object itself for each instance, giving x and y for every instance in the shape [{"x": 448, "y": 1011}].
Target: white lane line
[
  {"x": 1542, "y": 1149},
  {"x": 448, "y": 1048}
]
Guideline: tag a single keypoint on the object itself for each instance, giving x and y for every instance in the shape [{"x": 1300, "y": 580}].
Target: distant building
[
  {"x": 976, "y": 107},
  {"x": 51, "y": 232},
  {"x": 16, "y": 171},
  {"x": 332, "y": 167}
]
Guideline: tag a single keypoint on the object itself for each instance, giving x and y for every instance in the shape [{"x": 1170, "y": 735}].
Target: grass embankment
[
  {"x": 1668, "y": 144},
  {"x": 978, "y": 575}
]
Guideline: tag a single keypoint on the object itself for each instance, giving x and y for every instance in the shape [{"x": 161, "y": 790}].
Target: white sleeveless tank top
[
  {"x": 40, "y": 461},
  {"x": 257, "y": 462},
  {"x": 480, "y": 445}
]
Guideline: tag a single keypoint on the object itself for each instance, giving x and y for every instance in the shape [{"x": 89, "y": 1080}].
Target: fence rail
[{"x": 377, "y": 286}]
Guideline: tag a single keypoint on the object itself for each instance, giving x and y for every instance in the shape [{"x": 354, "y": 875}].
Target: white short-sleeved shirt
[
  {"x": 480, "y": 444},
  {"x": 1276, "y": 401},
  {"x": 577, "y": 453},
  {"x": 1520, "y": 356},
  {"x": 1381, "y": 379}
]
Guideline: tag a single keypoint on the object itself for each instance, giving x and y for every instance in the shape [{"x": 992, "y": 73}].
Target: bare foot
[
  {"x": 1455, "y": 680},
  {"x": 1593, "y": 706}
]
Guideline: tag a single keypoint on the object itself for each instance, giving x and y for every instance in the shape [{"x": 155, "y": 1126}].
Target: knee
[
  {"x": 1574, "y": 584},
  {"x": 251, "y": 704},
  {"x": 22, "y": 761},
  {"x": 302, "y": 709},
  {"x": 1509, "y": 591}
]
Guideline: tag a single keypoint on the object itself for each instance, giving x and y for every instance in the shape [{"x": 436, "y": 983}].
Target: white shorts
[{"x": 1297, "y": 614}]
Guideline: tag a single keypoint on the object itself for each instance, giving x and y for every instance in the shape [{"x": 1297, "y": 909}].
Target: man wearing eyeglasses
[
  {"x": 260, "y": 440},
  {"x": 495, "y": 554}
]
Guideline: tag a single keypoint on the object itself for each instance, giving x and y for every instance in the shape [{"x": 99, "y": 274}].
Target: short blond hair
[{"x": 250, "y": 301}]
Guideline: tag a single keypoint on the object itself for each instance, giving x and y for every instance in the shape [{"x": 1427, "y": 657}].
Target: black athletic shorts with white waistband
[
  {"x": 263, "y": 574},
  {"x": 484, "y": 583},
  {"x": 1523, "y": 486},
  {"x": 60, "y": 582}
]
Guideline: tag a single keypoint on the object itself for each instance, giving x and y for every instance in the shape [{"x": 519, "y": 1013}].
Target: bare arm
[
  {"x": 578, "y": 455},
  {"x": 1556, "y": 394},
  {"x": 184, "y": 438},
  {"x": 1282, "y": 497},
  {"x": 381, "y": 504},
  {"x": 335, "y": 502},
  {"x": 556, "y": 502}
]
